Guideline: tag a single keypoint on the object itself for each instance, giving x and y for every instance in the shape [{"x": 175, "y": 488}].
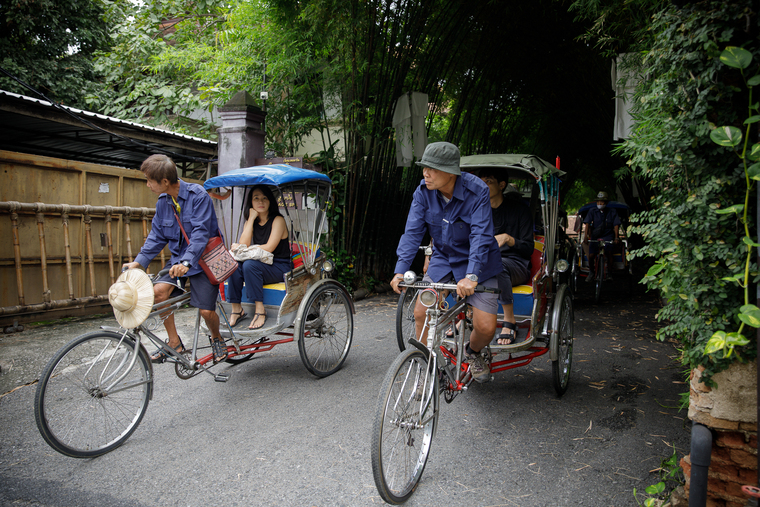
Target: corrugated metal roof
[{"x": 35, "y": 126}]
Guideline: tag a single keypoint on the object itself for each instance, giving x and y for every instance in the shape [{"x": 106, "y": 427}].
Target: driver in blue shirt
[{"x": 455, "y": 209}]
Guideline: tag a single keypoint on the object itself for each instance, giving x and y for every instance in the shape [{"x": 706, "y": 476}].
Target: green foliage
[
  {"x": 671, "y": 476},
  {"x": 692, "y": 231},
  {"x": 345, "y": 271},
  {"x": 49, "y": 45}
]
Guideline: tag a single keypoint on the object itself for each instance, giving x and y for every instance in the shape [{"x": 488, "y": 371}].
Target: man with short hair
[
  {"x": 192, "y": 205},
  {"x": 454, "y": 208},
  {"x": 603, "y": 224}
]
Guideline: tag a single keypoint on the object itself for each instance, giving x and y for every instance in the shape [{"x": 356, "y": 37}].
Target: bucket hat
[
  {"x": 602, "y": 196},
  {"x": 131, "y": 297},
  {"x": 442, "y": 156}
]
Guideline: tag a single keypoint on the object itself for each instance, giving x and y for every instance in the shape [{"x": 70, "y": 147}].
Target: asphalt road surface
[{"x": 276, "y": 435}]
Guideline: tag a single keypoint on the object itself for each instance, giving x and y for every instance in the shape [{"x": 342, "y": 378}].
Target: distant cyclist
[{"x": 603, "y": 224}]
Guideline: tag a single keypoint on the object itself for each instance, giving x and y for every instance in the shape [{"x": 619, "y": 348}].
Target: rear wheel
[
  {"x": 405, "y": 421},
  {"x": 326, "y": 331},
  {"x": 90, "y": 398},
  {"x": 562, "y": 324},
  {"x": 405, "y": 317}
]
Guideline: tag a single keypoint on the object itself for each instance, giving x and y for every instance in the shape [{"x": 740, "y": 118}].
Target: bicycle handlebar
[{"x": 447, "y": 286}]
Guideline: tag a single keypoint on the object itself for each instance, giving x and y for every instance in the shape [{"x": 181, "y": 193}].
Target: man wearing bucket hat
[
  {"x": 603, "y": 224},
  {"x": 455, "y": 209},
  {"x": 193, "y": 206}
]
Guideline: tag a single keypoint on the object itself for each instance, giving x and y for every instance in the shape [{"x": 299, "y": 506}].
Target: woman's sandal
[
  {"x": 510, "y": 336},
  {"x": 160, "y": 356},
  {"x": 237, "y": 321},
  {"x": 255, "y": 318},
  {"x": 219, "y": 349}
]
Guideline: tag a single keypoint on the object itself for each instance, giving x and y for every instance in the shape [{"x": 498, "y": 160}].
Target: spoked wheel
[
  {"x": 599, "y": 277},
  {"x": 574, "y": 277},
  {"x": 405, "y": 421},
  {"x": 326, "y": 330},
  {"x": 562, "y": 323},
  {"x": 241, "y": 358},
  {"x": 90, "y": 398},
  {"x": 405, "y": 317}
]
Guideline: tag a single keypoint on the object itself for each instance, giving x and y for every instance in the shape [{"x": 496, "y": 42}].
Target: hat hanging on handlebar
[{"x": 131, "y": 297}]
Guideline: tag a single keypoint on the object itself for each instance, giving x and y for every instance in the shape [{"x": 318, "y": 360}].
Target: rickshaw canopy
[
  {"x": 274, "y": 175},
  {"x": 516, "y": 164}
]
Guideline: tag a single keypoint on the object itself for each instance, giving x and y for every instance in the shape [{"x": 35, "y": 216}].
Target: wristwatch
[
  {"x": 472, "y": 278},
  {"x": 186, "y": 264}
]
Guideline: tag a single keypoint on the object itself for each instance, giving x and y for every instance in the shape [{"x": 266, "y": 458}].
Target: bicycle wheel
[
  {"x": 88, "y": 400},
  {"x": 562, "y": 323},
  {"x": 326, "y": 330},
  {"x": 405, "y": 317},
  {"x": 405, "y": 420},
  {"x": 599, "y": 276}
]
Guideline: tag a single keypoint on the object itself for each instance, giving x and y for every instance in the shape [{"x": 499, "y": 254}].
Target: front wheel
[
  {"x": 326, "y": 331},
  {"x": 405, "y": 420},
  {"x": 599, "y": 277},
  {"x": 405, "y": 317},
  {"x": 91, "y": 397},
  {"x": 562, "y": 324}
]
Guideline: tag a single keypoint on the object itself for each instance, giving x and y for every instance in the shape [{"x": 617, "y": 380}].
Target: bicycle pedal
[{"x": 221, "y": 377}]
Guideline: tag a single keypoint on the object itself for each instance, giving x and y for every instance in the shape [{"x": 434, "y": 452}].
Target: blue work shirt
[
  {"x": 198, "y": 219},
  {"x": 602, "y": 223},
  {"x": 462, "y": 231}
]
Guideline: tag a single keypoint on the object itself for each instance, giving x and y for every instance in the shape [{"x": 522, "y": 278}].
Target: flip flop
[
  {"x": 237, "y": 321},
  {"x": 255, "y": 318},
  {"x": 160, "y": 356}
]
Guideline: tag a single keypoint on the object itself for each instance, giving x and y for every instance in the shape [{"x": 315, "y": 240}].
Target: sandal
[
  {"x": 220, "y": 350},
  {"x": 255, "y": 318},
  {"x": 160, "y": 356},
  {"x": 510, "y": 337},
  {"x": 241, "y": 314}
]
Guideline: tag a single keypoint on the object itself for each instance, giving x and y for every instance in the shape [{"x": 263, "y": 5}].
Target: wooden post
[
  {"x": 67, "y": 248},
  {"x": 88, "y": 243},
  {"x": 17, "y": 253},
  {"x": 109, "y": 238},
  {"x": 43, "y": 253}
]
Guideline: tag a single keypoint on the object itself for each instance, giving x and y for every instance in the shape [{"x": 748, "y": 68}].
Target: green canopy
[{"x": 517, "y": 165}]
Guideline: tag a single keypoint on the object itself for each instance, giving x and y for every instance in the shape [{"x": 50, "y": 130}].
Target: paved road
[{"x": 275, "y": 435}]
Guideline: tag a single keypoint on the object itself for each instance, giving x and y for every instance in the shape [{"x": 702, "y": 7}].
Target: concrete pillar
[
  {"x": 241, "y": 142},
  {"x": 241, "y": 136}
]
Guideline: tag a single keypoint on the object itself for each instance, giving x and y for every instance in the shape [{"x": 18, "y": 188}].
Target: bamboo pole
[
  {"x": 128, "y": 234},
  {"x": 88, "y": 243},
  {"x": 109, "y": 239},
  {"x": 67, "y": 248},
  {"x": 17, "y": 254},
  {"x": 43, "y": 253}
]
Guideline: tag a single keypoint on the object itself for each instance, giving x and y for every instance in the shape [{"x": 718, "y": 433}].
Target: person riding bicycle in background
[
  {"x": 455, "y": 208},
  {"x": 603, "y": 224},
  {"x": 193, "y": 206}
]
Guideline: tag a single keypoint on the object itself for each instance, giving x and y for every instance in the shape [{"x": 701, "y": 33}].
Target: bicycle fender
[
  {"x": 556, "y": 309},
  {"x": 325, "y": 281},
  {"x": 135, "y": 339}
]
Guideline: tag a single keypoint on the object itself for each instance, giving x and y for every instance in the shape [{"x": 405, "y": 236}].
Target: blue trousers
[{"x": 256, "y": 274}]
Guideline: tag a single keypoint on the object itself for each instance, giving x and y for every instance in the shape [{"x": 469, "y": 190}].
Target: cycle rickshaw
[
  {"x": 602, "y": 271},
  {"x": 94, "y": 392},
  {"x": 408, "y": 406}
]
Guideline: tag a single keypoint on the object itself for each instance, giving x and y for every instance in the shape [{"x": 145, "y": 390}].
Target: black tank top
[{"x": 261, "y": 235}]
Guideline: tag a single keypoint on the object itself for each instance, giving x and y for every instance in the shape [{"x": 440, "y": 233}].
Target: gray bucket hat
[{"x": 442, "y": 156}]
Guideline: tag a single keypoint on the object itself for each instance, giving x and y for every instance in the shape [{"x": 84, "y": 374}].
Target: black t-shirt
[{"x": 513, "y": 217}]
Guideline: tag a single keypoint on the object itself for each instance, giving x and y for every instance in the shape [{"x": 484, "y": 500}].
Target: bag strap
[{"x": 182, "y": 228}]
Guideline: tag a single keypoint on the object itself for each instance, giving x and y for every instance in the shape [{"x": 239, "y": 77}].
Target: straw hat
[{"x": 131, "y": 298}]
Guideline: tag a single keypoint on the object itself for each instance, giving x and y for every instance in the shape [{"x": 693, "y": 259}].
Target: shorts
[
  {"x": 203, "y": 293},
  {"x": 483, "y": 301}
]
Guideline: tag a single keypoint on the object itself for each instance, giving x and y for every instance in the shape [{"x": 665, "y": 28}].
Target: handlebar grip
[
  {"x": 163, "y": 272},
  {"x": 490, "y": 290}
]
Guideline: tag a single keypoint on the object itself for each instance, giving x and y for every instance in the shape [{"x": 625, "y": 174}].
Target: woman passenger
[{"x": 265, "y": 227}]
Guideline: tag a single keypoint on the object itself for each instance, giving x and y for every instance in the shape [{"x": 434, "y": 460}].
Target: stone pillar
[
  {"x": 241, "y": 136},
  {"x": 730, "y": 410},
  {"x": 241, "y": 142}
]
